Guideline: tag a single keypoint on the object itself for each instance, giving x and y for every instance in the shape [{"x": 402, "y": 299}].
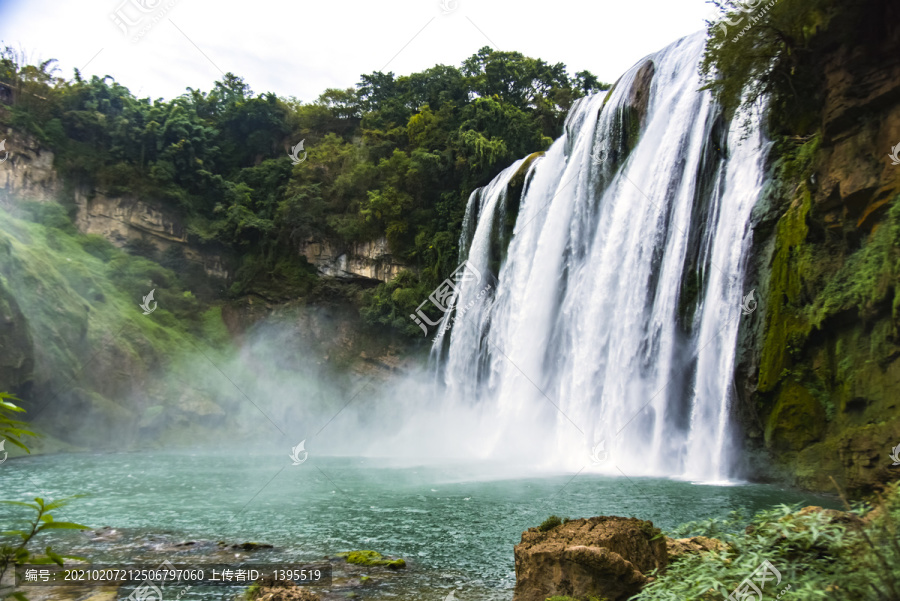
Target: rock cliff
[
  {"x": 364, "y": 260},
  {"x": 819, "y": 375},
  {"x": 29, "y": 175}
]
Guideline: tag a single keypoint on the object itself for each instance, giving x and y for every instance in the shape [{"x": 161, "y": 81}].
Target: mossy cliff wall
[{"x": 819, "y": 371}]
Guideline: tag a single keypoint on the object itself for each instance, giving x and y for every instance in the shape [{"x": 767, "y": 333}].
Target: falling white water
[{"x": 615, "y": 312}]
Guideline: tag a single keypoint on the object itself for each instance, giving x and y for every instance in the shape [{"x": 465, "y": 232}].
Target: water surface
[{"x": 456, "y": 525}]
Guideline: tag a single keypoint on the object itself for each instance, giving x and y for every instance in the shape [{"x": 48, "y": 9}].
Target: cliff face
[
  {"x": 126, "y": 221},
  {"x": 28, "y": 172},
  {"x": 364, "y": 260},
  {"x": 29, "y": 176},
  {"x": 820, "y": 364}
]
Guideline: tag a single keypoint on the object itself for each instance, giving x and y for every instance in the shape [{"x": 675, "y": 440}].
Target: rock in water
[
  {"x": 604, "y": 557},
  {"x": 270, "y": 589}
]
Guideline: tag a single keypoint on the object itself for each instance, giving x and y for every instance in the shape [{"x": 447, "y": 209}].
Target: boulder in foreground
[{"x": 607, "y": 557}]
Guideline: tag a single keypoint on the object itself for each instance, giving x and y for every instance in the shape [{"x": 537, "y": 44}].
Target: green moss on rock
[
  {"x": 371, "y": 558},
  {"x": 786, "y": 326},
  {"x": 796, "y": 420}
]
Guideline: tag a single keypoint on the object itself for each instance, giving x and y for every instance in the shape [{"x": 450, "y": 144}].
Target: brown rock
[
  {"x": 677, "y": 547},
  {"x": 605, "y": 557},
  {"x": 833, "y": 515},
  {"x": 281, "y": 590},
  {"x": 639, "y": 93}
]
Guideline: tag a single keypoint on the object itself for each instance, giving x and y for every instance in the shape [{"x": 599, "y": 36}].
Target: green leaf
[
  {"x": 31, "y": 505},
  {"x": 57, "y": 559},
  {"x": 9, "y": 406},
  {"x": 19, "y": 444}
]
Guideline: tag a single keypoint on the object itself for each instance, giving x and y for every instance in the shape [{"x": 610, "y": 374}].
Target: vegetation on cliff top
[{"x": 396, "y": 156}]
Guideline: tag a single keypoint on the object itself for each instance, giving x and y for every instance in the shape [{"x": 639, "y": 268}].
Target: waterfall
[{"x": 606, "y": 341}]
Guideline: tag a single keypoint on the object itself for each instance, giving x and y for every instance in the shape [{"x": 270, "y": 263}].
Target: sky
[{"x": 158, "y": 48}]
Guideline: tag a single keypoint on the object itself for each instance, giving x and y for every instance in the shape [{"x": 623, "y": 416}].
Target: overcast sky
[{"x": 301, "y": 47}]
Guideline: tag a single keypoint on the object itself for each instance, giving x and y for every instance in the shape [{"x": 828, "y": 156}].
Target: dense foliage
[
  {"x": 11, "y": 429},
  {"x": 774, "y": 49},
  {"x": 819, "y": 554},
  {"x": 396, "y": 156},
  {"x": 14, "y": 544}
]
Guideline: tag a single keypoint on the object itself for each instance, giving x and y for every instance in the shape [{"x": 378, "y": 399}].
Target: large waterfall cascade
[{"x": 607, "y": 341}]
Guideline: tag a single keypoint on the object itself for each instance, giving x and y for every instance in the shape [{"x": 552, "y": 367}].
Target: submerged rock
[
  {"x": 372, "y": 558},
  {"x": 270, "y": 589},
  {"x": 605, "y": 557},
  {"x": 251, "y": 546}
]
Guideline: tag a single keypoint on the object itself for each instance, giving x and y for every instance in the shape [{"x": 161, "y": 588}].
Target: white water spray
[{"x": 616, "y": 308}]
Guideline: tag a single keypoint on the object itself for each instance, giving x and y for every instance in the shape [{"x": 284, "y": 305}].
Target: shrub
[{"x": 550, "y": 523}]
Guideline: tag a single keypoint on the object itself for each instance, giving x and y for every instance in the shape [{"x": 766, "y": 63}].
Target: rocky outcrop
[
  {"x": 678, "y": 547},
  {"x": 631, "y": 115},
  {"x": 606, "y": 557},
  {"x": 28, "y": 170},
  {"x": 127, "y": 221},
  {"x": 361, "y": 261}
]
